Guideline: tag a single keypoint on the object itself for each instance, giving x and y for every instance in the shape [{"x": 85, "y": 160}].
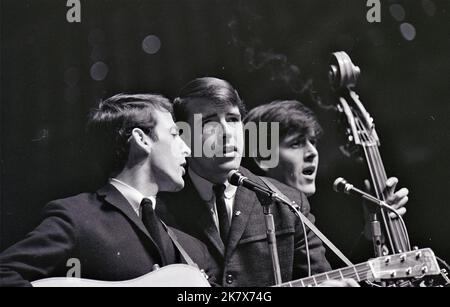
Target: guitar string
[
  {"x": 358, "y": 270},
  {"x": 321, "y": 277}
]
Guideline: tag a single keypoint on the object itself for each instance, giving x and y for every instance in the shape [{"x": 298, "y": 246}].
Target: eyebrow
[
  {"x": 209, "y": 116},
  {"x": 212, "y": 115},
  {"x": 299, "y": 136},
  {"x": 234, "y": 113},
  {"x": 294, "y": 137}
]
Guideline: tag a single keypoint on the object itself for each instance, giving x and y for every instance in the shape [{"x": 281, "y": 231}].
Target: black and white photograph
[{"x": 225, "y": 143}]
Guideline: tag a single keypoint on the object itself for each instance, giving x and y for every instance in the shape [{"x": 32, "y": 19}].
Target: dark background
[{"x": 51, "y": 77}]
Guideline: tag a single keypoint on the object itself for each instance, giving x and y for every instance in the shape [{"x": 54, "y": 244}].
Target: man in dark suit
[
  {"x": 229, "y": 219},
  {"x": 114, "y": 234}
]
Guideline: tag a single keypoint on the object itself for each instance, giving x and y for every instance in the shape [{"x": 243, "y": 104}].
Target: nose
[
  {"x": 310, "y": 151},
  {"x": 186, "y": 151},
  {"x": 226, "y": 130}
]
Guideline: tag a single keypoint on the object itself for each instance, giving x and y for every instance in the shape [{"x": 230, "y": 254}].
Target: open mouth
[
  {"x": 229, "y": 149},
  {"x": 183, "y": 167},
  {"x": 308, "y": 171}
]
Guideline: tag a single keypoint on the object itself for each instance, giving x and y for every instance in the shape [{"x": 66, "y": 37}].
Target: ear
[
  {"x": 263, "y": 166},
  {"x": 141, "y": 140}
]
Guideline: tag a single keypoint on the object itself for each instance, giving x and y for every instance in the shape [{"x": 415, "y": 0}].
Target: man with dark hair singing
[
  {"x": 297, "y": 153},
  {"x": 114, "y": 233}
]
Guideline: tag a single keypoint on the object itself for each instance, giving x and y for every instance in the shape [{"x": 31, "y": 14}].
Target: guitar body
[{"x": 175, "y": 275}]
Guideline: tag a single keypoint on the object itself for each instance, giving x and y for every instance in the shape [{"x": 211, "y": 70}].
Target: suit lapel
[
  {"x": 114, "y": 198},
  {"x": 244, "y": 202},
  {"x": 202, "y": 217}
]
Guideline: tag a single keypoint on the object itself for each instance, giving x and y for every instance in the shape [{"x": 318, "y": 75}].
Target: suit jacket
[
  {"x": 245, "y": 260},
  {"x": 102, "y": 231}
]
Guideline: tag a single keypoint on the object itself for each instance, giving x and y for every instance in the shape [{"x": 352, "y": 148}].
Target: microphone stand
[
  {"x": 381, "y": 204},
  {"x": 267, "y": 200},
  {"x": 375, "y": 229},
  {"x": 269, "y": 196},
  {"x": 341, "y": 185}
]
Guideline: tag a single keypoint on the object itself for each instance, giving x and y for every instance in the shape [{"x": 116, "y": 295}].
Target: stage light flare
[{"x": 151, "y": 44}]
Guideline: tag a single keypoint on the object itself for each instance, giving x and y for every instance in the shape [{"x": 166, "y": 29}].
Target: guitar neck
[{"x": 359, "y": 272}]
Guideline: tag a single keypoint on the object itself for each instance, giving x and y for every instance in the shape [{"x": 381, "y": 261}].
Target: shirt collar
[
  {"x": 205, "y": 187},
  {"x": 133, "y": 196}
]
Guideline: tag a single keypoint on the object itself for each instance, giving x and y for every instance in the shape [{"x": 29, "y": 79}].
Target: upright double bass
[{"x": 361, "y": 135}]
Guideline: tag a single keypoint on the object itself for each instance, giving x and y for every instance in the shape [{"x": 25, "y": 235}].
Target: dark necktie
[
  {"x": 157, "y": 232},
  {"x": 224, "y": 220}
]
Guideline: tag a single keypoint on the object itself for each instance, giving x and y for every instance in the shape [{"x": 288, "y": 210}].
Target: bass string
[
  {"x": 379, "y": 178},
  {"x": 396, "y": 229},
  {"x": 383, "y": 215},
  {"x": 403, "y": 242},
  {"x": 374, "y": 173}
]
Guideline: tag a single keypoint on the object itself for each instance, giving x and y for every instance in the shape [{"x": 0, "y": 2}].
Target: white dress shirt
[
  {"x": 133, "y": 196},
  {"x": 205, "y": 189}
]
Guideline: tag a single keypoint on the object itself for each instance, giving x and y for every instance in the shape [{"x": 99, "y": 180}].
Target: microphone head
[
  {"x": 234, "y": 177},
  {"x": 339, "y": 184}
]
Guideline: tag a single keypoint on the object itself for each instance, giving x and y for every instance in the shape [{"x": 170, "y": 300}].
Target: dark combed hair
[
  {"x": 110, "y": 125},
  {"x": 292, "y": 116},
  {"x": 218, "y": 91}
]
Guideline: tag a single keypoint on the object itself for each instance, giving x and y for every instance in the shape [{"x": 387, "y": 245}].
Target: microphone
[
  {"x": 237, "y": 179},
  {"x": 341, "y": 185}
]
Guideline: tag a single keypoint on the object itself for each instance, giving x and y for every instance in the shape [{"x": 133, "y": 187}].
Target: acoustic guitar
[{"x": 414, "y": 264}]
